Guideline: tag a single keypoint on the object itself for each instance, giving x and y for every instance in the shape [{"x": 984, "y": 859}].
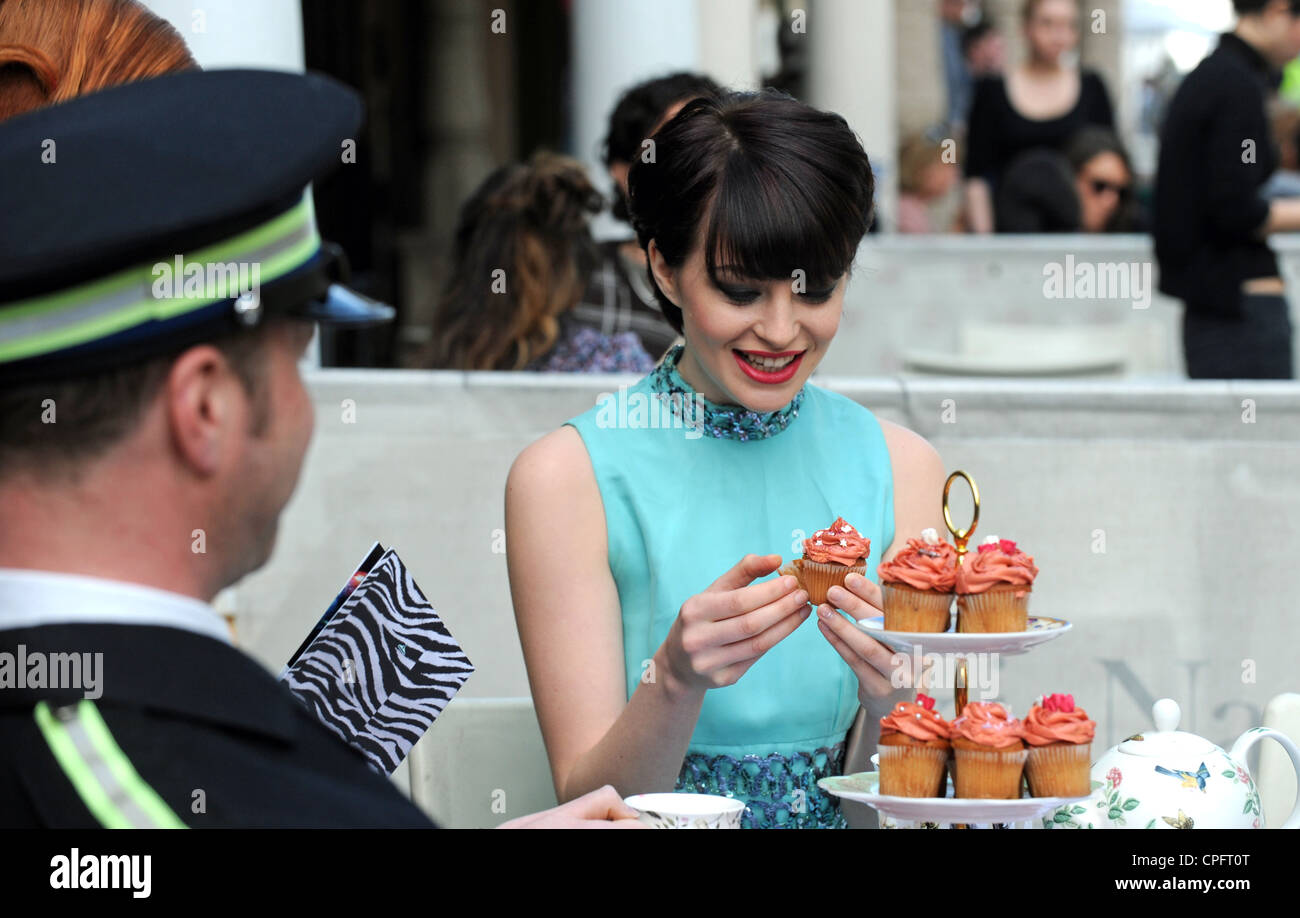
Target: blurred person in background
[
  {"x": 1211, "y": 221},
  {"x": 954, "y": 17},
  {"x": 984, "y": 49},
  {"x": 923, "y": 179},
  {"x": 1042, "y": 102},
  {"x": 619, "y": 296},
  {"x": 1284, "y": 118},
  {"x": 1103, "y": 180},
  {"x": 523, "y": 257},
  {"x": 55, "y": 50},
  {"x": 1038, "y": 195}
]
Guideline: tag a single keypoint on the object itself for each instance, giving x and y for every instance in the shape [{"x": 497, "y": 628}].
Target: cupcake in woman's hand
[
  {"x": 1060, "y": 748},
  {"x": 913, "y": 750},
  {"x": 988, "y": 752},
  {"x": 828, "y": 557},
  {"x": 993, "y": 587},
  {"x": 917, "y": 585}
]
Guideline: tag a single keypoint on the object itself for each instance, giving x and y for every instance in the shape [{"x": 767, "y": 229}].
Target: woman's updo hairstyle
[{"x": 767, "y": 184}]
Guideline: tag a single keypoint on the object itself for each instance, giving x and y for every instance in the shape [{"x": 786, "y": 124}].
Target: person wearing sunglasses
[{"x": 1103, "y": 180}]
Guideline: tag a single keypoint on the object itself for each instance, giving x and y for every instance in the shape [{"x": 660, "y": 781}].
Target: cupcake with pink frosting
[
  {"x": 993, "y": 587},
  {"x": 988, "y": 751},
  {"x": 1059, "y": 735},
  {"x": 830, "y": 555},
  {"x": 917, "y": 584},
  {"x": 913, "y": 749}
]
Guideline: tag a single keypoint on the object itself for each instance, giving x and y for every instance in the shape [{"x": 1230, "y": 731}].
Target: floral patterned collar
[{"x": 724, "y": 422}]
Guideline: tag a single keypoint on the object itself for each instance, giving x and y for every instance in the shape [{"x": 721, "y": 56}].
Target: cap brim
[{"x": 343, "y": 306}]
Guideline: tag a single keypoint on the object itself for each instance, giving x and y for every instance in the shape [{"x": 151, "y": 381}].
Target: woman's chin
[{"x": 765, "y": 399}]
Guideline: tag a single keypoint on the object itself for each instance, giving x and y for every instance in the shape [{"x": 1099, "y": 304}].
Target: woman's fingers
[
  {"x": 751, "y": 648},
  {"x": 746, "y": 571},
  {"x": 755, "y": 596},
  {"x": 859, "y": 597},
  {"x": 871, "y": 661},
  {"x": 775, "y": 606}
]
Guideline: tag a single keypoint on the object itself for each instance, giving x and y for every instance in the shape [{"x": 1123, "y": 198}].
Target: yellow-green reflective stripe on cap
[
  {"x": 66, "y": 318},
  {"x": 101, "y": 773}
]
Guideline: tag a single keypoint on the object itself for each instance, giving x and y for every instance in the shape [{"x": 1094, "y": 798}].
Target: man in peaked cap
[{"x": 160, "y": 271}]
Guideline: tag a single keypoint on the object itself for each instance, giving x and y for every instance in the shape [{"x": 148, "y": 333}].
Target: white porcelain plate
[
  {"x": 1041, "y": 630},
  {"x": 864, "y": 785}
]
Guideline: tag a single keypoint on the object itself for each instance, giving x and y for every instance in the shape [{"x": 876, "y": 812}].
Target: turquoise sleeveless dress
[{"x": 689, "y": 488}]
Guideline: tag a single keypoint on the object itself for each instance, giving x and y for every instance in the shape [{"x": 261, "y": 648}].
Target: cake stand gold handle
[
  {"x": 961, "y": 536},
  {"x": 959, "y": 688}
]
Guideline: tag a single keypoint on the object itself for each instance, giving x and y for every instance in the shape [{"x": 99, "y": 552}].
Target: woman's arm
[
  {"x": 982, "y": 154},
  {"x": 567, "y": 610},
  {"x": 978, "y": 198}
]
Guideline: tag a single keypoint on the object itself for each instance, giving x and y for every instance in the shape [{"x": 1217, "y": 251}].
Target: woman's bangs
[{"x": 769, "y": 229}]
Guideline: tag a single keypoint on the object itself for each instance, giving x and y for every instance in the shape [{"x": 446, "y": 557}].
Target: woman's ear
[{"x": 663, "y": 274}]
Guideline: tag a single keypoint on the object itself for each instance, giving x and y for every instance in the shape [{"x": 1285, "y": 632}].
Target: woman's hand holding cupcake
[
  {"x": 879, "y": 679},
  {"x": 720, "y": 633}
]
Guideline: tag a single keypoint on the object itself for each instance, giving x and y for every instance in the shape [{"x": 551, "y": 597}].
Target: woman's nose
[{"x": 778, "y": 326}]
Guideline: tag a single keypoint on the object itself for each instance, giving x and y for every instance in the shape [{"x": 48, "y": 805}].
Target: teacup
[{"x": 687, "y": 811}]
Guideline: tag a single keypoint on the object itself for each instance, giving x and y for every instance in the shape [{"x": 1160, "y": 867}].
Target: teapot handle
[{"x": 1250, "y": 738}]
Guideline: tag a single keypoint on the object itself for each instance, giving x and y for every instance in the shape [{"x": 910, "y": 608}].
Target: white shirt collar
[{"x": 29, "y": 599}]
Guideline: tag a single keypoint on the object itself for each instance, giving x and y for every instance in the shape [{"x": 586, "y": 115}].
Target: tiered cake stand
[{"x": 949, "y": 810}]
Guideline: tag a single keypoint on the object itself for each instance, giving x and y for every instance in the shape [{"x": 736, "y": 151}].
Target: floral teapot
[{"x": 1170, "y": 779}]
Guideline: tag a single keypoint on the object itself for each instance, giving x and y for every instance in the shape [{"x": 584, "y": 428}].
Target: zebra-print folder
[{"x": 382, "y": 669}]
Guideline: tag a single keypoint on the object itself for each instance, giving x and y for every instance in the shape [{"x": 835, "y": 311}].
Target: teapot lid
[{"x": 1166, "y": 740}]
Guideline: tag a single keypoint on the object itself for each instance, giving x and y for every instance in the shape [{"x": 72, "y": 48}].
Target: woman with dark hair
[
  {"x": 1042, "y": 102},
  {"x": 1103, "y": 180},
  {"x": 523, "y": 255},
  {"x": 1038, "y": 195},
  {"x": 638, "y": 530},
  {"x": 619, "y": 297}
]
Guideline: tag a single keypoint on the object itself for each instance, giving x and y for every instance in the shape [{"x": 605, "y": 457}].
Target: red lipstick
[{"x": 769, "y": 377}]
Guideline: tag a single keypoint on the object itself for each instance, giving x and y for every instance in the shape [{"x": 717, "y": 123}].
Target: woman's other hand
[{"x": 879, "y": 676}]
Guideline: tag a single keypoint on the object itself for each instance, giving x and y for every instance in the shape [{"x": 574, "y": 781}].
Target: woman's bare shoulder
[
  {"x": 554, "y": 475},
  {"x": 907, "y": 447}
]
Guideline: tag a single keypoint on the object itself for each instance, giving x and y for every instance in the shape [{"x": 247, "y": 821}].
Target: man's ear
[
  {"x": 205, "y": 405},
  {"x": 664, "y": 275}
]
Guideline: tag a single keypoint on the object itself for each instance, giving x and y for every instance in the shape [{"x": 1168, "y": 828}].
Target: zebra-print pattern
[{"x": 382, "y": 670}]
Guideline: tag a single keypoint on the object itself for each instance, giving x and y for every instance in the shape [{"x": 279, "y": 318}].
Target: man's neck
[
  {"x": 1250, "y": 31},
  {"x": 74, "y": 530}
]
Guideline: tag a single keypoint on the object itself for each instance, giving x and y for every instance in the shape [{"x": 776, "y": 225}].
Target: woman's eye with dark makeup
[
  {"x": 818, "y": 296},
  {"x": 741, "y": 296}
]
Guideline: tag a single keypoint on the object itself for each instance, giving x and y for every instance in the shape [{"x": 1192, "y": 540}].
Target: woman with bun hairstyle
[
  {"x": 661, "y": 651},
  {"x": 55, "y": 50}
]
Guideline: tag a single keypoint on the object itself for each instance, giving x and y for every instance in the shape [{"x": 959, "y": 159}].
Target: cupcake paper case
[
  {"x": 993, "y": 586},
  {"x": 988, "y": 752},
  {"x": 1060, "y": 748},
  {"x": 828, "y": 557},
  {"x": 917, "y": 585},
  {"x": 913, "y": 750}
]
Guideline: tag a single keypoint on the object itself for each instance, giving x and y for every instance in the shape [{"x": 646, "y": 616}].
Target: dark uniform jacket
[{"x": 188, "y": 731}]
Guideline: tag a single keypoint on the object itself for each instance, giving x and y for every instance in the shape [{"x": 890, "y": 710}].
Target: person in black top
[
  {"x": 1210, "y": 220},
  {"x": 1041, "y": 103},
  {"x": 152, "y": 428}
]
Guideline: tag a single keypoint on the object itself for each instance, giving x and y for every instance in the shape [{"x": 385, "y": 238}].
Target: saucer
[
  {"x": 864, "y": 786},
  {"x": 1041, "y": 630}
]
